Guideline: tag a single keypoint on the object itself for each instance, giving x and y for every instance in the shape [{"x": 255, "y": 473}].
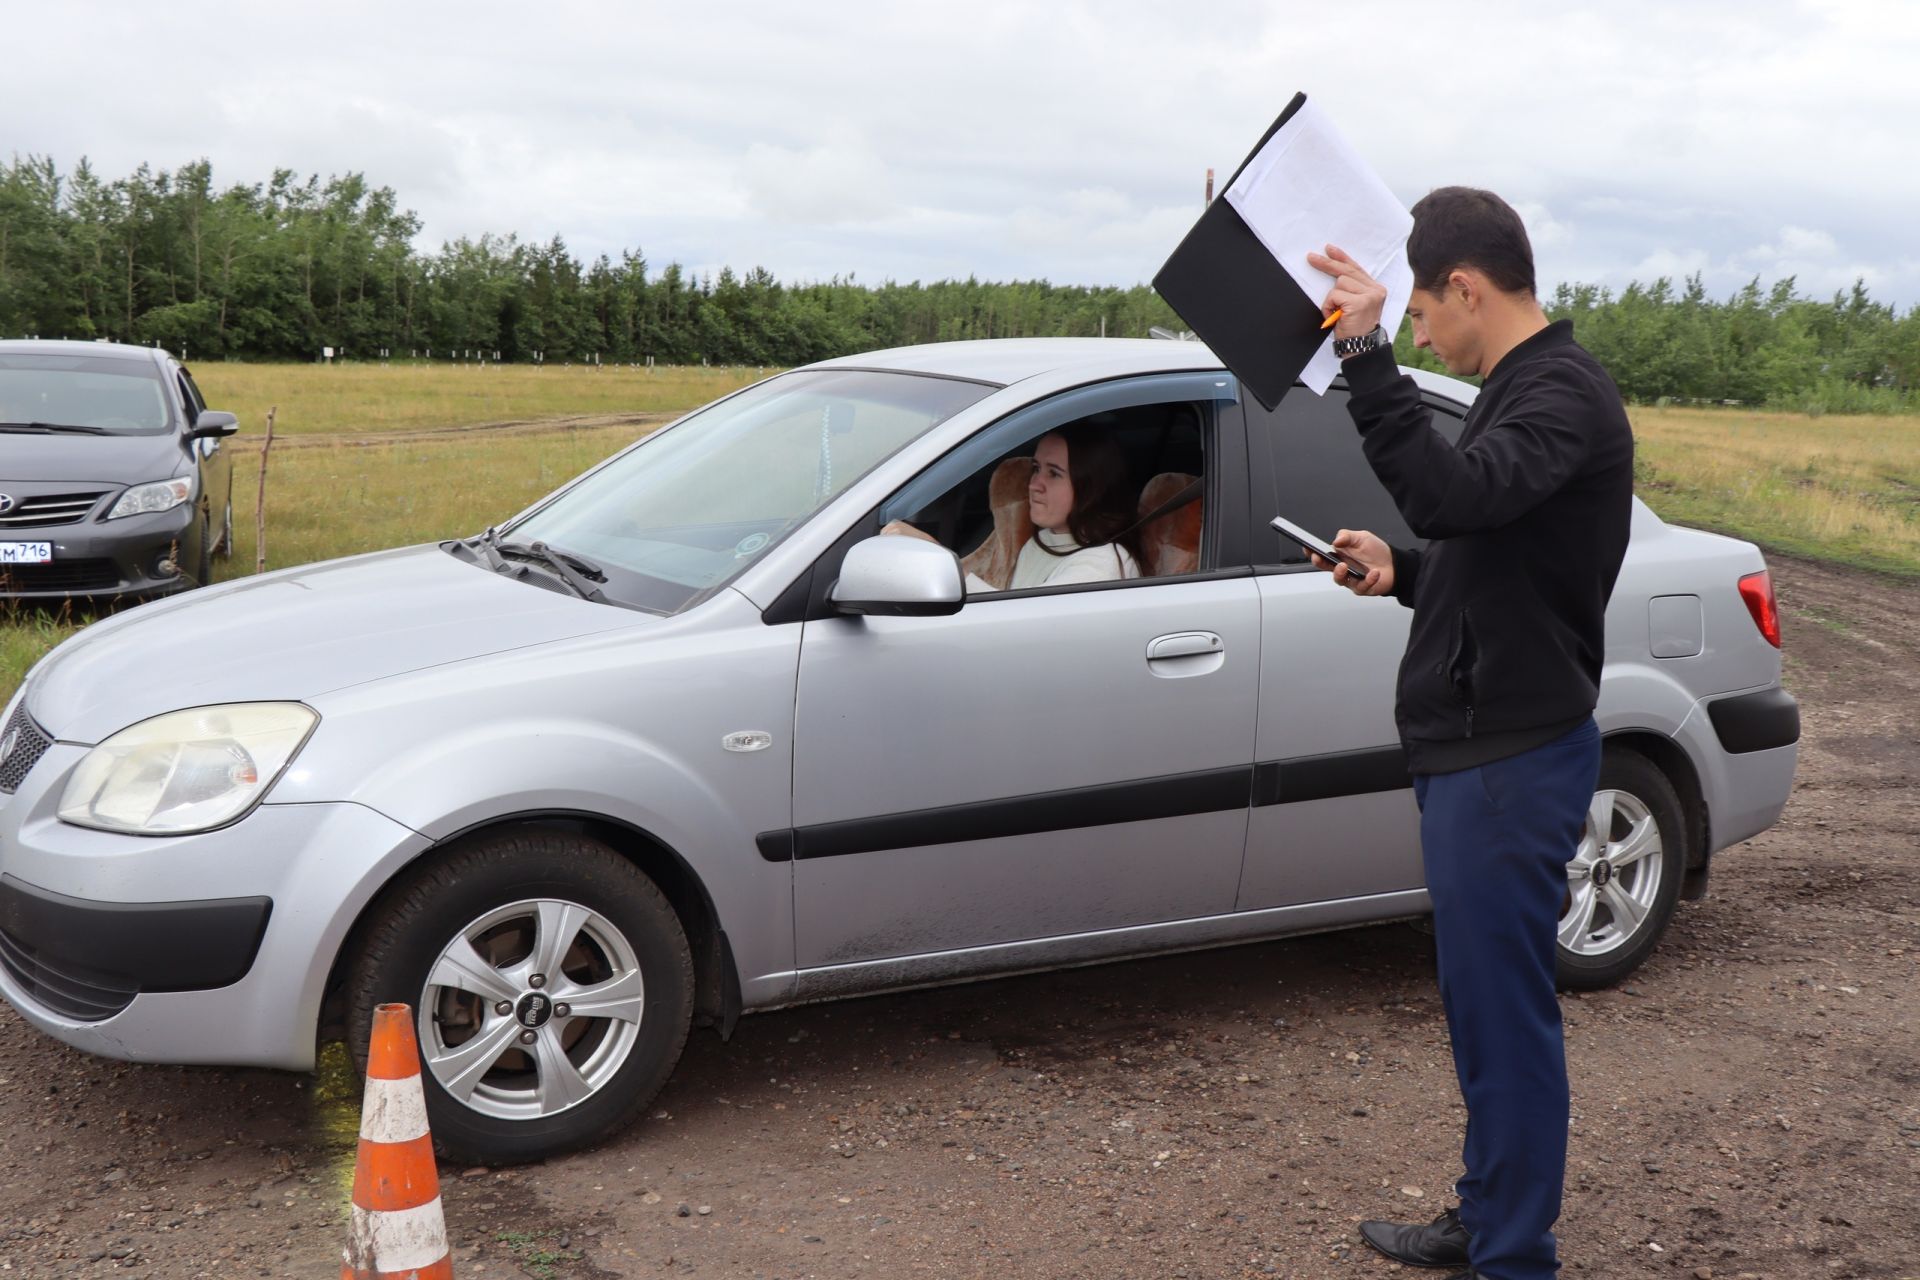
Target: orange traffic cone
[{"x": 397, "y": 1231}]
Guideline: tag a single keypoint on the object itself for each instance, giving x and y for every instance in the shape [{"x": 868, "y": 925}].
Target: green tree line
[{"x": 281, "y": 269}]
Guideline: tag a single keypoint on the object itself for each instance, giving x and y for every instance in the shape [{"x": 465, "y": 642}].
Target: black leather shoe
[{"x": 1440, "y": 1243}]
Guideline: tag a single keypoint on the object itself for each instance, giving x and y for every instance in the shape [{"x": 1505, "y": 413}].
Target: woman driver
[{"x": 1082, "y": 505}]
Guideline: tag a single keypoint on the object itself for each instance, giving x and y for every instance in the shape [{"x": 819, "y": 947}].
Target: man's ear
[{"x": 1465, "y": 286}]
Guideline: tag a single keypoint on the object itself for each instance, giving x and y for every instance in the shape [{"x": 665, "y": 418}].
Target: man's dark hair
[{"x": 1457, "y": 227}]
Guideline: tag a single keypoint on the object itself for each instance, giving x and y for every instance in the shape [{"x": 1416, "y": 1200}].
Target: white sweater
[{"x": 1038, "y": 568}]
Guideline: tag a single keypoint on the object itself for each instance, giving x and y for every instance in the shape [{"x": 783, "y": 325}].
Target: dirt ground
[{"x": 1748, "y": 1105}]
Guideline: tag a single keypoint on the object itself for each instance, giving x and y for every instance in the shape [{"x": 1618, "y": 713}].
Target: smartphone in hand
[{"x": 1294, "y": 533}]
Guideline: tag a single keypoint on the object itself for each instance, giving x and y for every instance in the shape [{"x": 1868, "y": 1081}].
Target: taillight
[{"x": 1757, "y": 590}]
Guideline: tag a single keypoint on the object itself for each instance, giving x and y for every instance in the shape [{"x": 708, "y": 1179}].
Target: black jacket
[{"x": 1527, "y": 519}]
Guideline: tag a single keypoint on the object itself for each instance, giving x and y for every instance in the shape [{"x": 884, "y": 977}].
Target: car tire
[
  {"x": 493, "y": 915},
  {"x": 1624, "y": 881}
]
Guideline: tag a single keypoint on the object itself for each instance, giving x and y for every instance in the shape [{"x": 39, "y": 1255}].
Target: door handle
[{"x": 1185, "y": 644}]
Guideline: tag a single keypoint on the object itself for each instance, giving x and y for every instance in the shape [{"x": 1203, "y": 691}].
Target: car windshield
[
  {"x": 682, "y": 512},
  {"x": 106, "y": 394}
]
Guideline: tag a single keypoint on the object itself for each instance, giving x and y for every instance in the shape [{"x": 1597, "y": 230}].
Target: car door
[
  {"x": 1333, "y": 811},
  {"x": 210, "y": 456},
  {"x": 1040, "y": 763}
]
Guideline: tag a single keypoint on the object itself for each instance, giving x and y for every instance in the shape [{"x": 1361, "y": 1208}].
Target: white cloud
[
  {"x": 1544, "y": 231},
  {"x": 997, "y": 137},
  {"x": 828, "y": 185},
  {"x": 1799, "y": 242}
]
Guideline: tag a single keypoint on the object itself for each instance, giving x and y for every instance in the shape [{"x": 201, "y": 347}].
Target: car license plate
[{"x": 26, "y": 552}]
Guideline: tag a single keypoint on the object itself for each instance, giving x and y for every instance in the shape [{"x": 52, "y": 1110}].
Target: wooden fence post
[{"x": 260, "y": 502}]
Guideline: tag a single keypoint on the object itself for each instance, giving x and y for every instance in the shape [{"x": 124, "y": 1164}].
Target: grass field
[
  {"x": 374, "y": 399},
  {"x": 1835, "y": 487}
]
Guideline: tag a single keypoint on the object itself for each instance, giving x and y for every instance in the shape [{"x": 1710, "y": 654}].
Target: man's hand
[
  {"x": 1365, "y": 549},
  {"x": 1358, "y": 296}
]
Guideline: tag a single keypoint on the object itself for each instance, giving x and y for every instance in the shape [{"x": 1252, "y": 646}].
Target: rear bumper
[
  {"x": 1746, "y": 770},
  {"x": 1761, "y": 721}
]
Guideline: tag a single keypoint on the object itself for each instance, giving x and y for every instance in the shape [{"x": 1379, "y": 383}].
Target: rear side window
[{"x": 1317, "y": 473}]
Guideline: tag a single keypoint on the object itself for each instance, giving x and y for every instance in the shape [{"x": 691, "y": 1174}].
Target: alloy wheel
[
  {"x": 1614, "y": 879},
  {"x": 531, "y": 1009}
]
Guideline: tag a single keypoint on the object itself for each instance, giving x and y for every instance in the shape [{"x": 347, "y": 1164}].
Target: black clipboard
[{"x": 1226, "y": 286}]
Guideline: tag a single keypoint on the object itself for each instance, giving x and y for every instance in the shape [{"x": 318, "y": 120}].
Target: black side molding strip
[
  {"x": 1175, "y": 796},
  {"x": 1343, "y": 773},
  {"x": 1346, "y": 773},
  {"x": 1756, "y": 721}
]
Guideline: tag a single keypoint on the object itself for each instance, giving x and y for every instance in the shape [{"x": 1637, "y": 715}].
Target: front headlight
[
  {"x": 187, "y": 770},
  {"x": 160, "y": 495}
]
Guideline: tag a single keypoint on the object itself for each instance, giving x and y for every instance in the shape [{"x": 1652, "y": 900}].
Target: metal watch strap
[{"x": 1371, "y": 340}]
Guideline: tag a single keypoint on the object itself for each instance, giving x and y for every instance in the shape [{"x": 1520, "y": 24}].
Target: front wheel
[
  {"x": 552, "y": 989},
  {"x": 1624, "y": 879}
]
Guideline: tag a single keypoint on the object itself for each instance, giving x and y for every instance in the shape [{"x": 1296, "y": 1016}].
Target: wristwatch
[{"x": 1372, "y": 340}]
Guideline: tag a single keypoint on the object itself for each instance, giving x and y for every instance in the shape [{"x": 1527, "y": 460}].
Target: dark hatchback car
[{"x": 113, "y": 478}]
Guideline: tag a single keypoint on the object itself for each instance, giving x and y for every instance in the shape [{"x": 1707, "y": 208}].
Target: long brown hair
[{"x": 1103, "y": 490}]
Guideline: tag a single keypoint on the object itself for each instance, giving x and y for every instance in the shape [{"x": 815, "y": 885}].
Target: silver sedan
[{"x": 688, "y": 739}]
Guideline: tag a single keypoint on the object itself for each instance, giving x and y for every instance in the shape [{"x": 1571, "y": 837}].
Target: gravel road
[{"x": 1748, "y": 1105}]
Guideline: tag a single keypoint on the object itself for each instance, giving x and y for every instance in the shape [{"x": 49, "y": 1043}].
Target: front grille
[
  {"x": 60, "y": 575},
  {"x": 21, "y": 745},
  {"x": 71, "y": 995},
  {"x": 51, "y": 508}
]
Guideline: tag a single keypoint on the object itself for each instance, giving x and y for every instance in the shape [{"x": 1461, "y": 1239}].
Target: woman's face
[{"x": 1050, "y": 492}]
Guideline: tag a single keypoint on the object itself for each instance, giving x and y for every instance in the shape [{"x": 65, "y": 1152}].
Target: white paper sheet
[
  {"x": 1398, "y": 277},
  {"x": 1308, "y": 188}
]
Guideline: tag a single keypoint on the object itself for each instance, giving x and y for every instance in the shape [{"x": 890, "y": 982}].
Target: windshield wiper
[
  {"x": 566, "y": 566},
  {"x": 489, "y": 544},
  {"x": 55, "y": 426}
]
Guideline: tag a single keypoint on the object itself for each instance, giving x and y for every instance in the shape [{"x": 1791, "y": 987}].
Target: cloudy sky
[{"x": 1063, "y": 139}]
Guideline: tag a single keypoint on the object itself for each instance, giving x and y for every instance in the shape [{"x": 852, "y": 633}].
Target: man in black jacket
[{"x": 1527, "y": 521}]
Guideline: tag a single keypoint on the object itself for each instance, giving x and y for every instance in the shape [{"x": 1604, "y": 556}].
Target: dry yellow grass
[
  {"x": 373, "y": 399},
  {"x": 1834, "y": 487}
]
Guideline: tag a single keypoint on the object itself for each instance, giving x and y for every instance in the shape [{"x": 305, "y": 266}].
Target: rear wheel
[
  {"x": 1624, "y": 879},
  {"x": 552, "y": 988}
]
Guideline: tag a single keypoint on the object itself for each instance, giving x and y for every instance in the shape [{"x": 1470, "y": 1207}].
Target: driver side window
[{"x": 1113, "y": 497}]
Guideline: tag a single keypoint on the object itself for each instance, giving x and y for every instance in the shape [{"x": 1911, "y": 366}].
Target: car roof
[
  {"x": 76, "y": 347},
  {"x": 1005, "y": 361}
]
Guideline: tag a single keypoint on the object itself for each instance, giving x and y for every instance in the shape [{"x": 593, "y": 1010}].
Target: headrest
[{"x": 1170, "y": 544}]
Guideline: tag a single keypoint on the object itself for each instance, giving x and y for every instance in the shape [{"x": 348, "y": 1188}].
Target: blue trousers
[{"x": 1496, "y": 840}]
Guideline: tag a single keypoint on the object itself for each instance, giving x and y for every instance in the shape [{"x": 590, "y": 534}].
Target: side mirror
[
  {"x": 899, "y": 578},
  {"x": 213, "y": 422}
]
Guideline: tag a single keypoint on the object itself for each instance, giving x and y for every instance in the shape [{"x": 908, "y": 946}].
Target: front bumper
[
  {"x": 104, "y": 558},
  {"x": 192, "y": 981},
  {"x": 87, "y": 960}
]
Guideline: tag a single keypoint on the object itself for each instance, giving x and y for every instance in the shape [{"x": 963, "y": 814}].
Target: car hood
[
  {"x": 83, "y": 459},
  {"x": 297, "y": 634}
]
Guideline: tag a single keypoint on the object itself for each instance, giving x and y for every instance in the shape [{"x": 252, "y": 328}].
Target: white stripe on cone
[
  {"x": 397, "y": 1240},
  {"x": 393, "y": 1110}
]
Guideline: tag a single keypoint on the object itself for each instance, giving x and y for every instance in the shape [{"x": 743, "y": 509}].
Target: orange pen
[{"x": 1333, "y": 319}]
